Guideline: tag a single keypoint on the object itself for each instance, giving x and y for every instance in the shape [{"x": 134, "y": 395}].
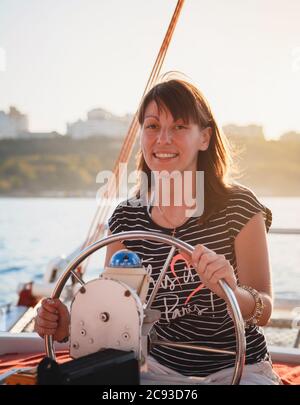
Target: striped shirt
[{"x": 191, "y": 313}]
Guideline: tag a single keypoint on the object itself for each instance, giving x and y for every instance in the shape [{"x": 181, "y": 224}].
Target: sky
[{"x": 61, "y": 58}]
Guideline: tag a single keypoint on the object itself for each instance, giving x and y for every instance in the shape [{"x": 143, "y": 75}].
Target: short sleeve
[
  {"x": 115, "y": 223},
  {"x": 243, "y": 204}
]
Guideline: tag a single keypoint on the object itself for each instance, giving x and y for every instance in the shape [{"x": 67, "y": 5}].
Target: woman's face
[{"x": 171, "y": 145}]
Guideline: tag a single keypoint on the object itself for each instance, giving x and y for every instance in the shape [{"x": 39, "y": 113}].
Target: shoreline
[
  {"x": 93, "y": 194},
  {"x": 57, "y": 194}
]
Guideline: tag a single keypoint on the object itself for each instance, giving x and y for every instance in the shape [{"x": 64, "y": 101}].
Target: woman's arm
[
  {"x": 253, "y": 268},
  {"x": 251, "y": 250},
  {"x": 53, "y": 316}
]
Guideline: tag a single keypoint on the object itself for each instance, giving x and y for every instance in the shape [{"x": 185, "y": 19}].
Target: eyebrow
[
  {"x": 152, "y": 116},
  {"x": 156, "y": 117}
]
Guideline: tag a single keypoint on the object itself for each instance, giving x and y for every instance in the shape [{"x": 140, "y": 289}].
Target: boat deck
[{"x": 284, "y": 337}]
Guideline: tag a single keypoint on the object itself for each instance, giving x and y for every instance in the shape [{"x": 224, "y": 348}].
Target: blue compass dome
[{"x": 125, "y": 258}]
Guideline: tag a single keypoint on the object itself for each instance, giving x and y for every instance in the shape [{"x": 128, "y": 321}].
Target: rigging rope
[{"x": 96, "y": 229}]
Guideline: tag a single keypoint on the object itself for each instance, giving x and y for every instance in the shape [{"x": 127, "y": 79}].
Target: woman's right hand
[{"x": 52, "y": 318}]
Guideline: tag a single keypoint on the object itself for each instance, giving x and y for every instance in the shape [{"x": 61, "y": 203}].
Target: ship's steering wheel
[{"x": 185, "y": 248}]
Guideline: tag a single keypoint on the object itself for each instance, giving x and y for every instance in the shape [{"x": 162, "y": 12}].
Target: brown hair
[{"x": 185, "y": 101}]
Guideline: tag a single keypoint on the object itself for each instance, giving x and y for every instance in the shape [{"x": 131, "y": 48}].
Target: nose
[{"x": 164, "y": 136}]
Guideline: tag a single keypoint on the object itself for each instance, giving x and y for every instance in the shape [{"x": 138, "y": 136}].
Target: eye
[
  {"x": 151, "y": 126},
  {"x": 179, "y": 127}
]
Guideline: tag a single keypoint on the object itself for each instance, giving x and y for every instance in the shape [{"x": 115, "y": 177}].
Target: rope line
[{"x": 96, "y": 229}]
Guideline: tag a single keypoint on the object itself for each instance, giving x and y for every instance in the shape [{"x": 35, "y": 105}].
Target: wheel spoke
[
  {"x": 80, "y": 281},
  {"x": 161, "y": 277}
]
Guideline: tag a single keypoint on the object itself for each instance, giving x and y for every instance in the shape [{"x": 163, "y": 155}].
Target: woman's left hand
[{"x": 212, "y": 267}]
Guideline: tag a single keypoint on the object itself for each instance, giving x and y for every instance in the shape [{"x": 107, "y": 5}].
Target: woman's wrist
[
  {"x": 64, "y": 340},
  {"x": 246, "y": 302},
  {"x": 65, "y": 335}
]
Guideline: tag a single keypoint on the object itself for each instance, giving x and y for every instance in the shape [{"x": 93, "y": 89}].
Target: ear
[{"x": 205, "y": 138}]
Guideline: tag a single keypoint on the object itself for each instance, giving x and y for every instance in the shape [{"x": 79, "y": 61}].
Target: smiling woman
[
  {"x": 179, "y": 134},
  {"x": 165, "y": 140},
  {"x": 180, "y": 138}
]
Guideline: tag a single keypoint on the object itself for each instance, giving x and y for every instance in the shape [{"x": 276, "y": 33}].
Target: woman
[{"x": 180, "y": 138}]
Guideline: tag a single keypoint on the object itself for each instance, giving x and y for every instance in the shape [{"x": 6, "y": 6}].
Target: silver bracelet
[
  {"x": 259, "y": 306},
  {"x": 258, "y": 309}
]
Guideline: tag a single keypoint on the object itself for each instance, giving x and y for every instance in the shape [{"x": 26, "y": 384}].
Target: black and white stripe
[{"x": 202, "y": 319}]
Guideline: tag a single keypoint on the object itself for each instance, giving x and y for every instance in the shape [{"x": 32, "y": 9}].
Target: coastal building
[
  {"x": 99, "y": 122},
  {"x": 13, "y": 123},
  {"x": 246, "y": 131},
  {"x": 290, "y": 136}
]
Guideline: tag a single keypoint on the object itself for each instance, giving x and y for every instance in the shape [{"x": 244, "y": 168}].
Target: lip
[{"x": 164, "y": 155}]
